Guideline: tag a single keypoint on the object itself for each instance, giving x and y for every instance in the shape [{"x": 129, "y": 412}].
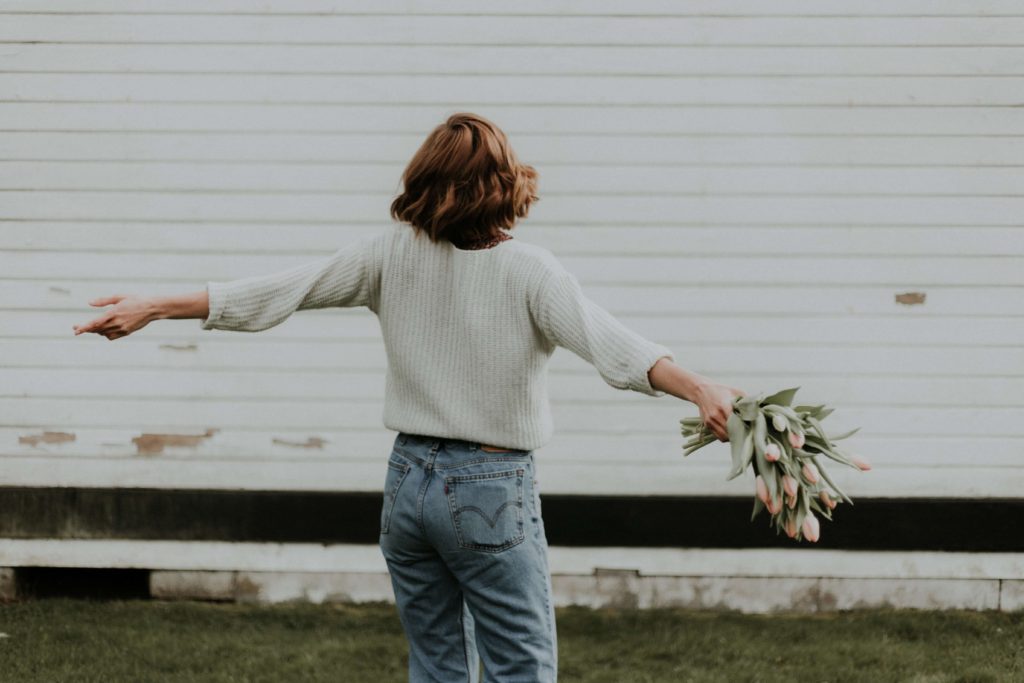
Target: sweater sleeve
[
  {"x": 571, "y": 320},
  {"x": 260, "y": 302}
]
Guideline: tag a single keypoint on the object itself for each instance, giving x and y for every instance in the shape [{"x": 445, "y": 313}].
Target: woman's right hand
[
  {"x": 716, "y": 405},
  {"x": 130, "y": 313}
]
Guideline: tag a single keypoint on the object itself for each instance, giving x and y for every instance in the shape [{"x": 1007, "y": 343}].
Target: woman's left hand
[{"x": 130, "y": 313}]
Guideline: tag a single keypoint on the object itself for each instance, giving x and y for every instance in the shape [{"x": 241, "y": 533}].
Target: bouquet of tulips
[{"x": 785, "y": 444}]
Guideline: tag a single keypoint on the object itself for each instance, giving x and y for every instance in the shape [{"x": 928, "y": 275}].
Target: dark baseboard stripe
[{"x": 944, "y": 524}]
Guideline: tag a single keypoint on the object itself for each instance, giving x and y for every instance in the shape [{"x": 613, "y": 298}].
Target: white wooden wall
[{"x": 756, "y": 185}]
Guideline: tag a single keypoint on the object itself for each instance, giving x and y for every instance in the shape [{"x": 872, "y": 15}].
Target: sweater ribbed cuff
[
  {"x": 648, "y": 356},
  {"x": 215, "y": 294}
]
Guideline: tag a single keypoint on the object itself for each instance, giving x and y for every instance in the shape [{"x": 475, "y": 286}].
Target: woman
[{"x": 470, "y": 317}]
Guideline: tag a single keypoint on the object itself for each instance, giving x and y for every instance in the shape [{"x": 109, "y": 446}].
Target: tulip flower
[
  {"x": 810, "y": 472},
  {"x": 774, "y": 505},
  {"x": 796, "y": 439},
  {"x": 827, "y": 499},
  {"x": 811, "y": 528},
  {"x": 791, "y": 502},
  {"x": 791, "y": 527},
  {"x": 789, "y": 484},
  {"x": 772, "y": 452},
  {"x": 762, "y": 489},
  {"x": 860, "y": 462},
  {"x": 780, "y": 423}
]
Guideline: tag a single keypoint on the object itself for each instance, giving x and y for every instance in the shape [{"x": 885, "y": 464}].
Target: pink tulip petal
[
  {"x": 861, "y": 462},
  {"x": 761, "y": 488},
  {"x": 811, "y": 528}
]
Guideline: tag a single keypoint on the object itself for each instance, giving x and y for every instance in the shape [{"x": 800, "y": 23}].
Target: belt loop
[{"x": 401, "y": 438}]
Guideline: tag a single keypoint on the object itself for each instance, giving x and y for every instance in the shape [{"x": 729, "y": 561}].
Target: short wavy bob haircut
[{"x": 465, "y": 183}]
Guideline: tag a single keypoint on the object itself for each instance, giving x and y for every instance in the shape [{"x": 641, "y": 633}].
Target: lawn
[{"x": 65, "y": 639}]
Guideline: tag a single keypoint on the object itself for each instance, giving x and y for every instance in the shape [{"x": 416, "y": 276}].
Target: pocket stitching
[
  {"x": 392, "y": 494},
  {"x": 483, "y": 475},
  {"x": 405, "y": 457},
  {"x": 520, "y": 533},
  {"x": 476, "y": 461}
]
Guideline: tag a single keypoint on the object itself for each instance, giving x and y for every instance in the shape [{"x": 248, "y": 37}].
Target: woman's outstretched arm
[
  {"x": 625, "y": 359},
  {"x": 255, "y": 303},
  {"x": 132, "y": 313}
]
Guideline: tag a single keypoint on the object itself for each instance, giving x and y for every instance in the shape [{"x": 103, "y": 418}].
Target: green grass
[{"x": 63, "y": 639}]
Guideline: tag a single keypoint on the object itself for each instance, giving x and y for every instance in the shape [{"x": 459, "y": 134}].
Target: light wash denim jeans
[{"x": 462, "y": 534}]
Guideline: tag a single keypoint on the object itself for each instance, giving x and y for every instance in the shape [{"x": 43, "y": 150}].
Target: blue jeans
[{"x": 462, "y": 535}]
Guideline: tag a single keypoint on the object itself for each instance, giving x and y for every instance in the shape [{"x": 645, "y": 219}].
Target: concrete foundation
[
  {"x": 752, "y": 581},
  {"x": 621, "y": 589}
]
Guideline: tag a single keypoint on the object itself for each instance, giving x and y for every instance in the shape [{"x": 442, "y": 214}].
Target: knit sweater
[{"x": 468, "y": 333}]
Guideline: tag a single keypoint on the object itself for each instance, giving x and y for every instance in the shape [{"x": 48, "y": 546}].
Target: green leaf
[
  {"x": 777, "y": 476},
  {"x": 782, "y": 398},
  {"x": 701, "y": 444},
  {"x": 828, "y": 480},
  {"x": 813, "y": 410},
  {"x": 760, "y": 433},
  {"x": 758, "y": 506},
  {"x": 825, "y": 444},
  {"x": 747, "y": 407},
  {"x": 792, "y": 419},
  {"x": 736, "y": 430},
  {"x": 814, "y": 443},
  {"x": 820, "y": 508},
  {"x": 846, "y": 435},
  {"x": 746, "y": 453},
  {"x": 816, "y": 426},
  {"x": 799, "y": 514}
]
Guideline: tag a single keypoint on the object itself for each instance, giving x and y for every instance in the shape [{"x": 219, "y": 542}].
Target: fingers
[
  {"x": 721, "y": 421},
  {"x": 106, "y": 300},
  {"x": 716, "y": 424},
  {"x": 105, "y": 326},
  {"x": 111, "y": 333},
  {"x": 93, "y": 325}
]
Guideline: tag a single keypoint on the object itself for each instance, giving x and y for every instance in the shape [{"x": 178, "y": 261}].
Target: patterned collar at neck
[{"x": 486, "y": 243}]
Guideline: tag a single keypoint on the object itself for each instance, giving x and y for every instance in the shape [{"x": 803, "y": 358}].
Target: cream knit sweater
[{"x": 468, "y": 333}]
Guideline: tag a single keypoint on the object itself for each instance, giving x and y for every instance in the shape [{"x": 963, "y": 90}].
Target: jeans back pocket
[
  {"x": 487, "y": 509},
  {"x": 392, "y": 481}
]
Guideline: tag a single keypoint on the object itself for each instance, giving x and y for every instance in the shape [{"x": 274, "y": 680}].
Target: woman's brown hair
[{"x": 465, "y": 183}]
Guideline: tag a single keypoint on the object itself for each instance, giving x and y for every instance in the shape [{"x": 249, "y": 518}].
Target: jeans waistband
[
  {"x": 435, "y": 442},
  {"x": 424, "y": 449}
]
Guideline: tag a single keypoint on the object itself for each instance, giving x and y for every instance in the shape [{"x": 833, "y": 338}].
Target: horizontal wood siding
[{"x": 823, "y": 194}]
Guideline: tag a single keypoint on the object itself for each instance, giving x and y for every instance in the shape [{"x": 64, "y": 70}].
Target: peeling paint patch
[
  {"x": 179, "y": 347},
  {"x": 311, "y": 442},
  {"x": 246, "y": 588},
  {"x": 910, "y": 298},
  {"x": 154, "y": 444},
  {"x": 620, "y": 588},
  {"x": 46, "y": 437},
  {"x": 815, "y": 599}
]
